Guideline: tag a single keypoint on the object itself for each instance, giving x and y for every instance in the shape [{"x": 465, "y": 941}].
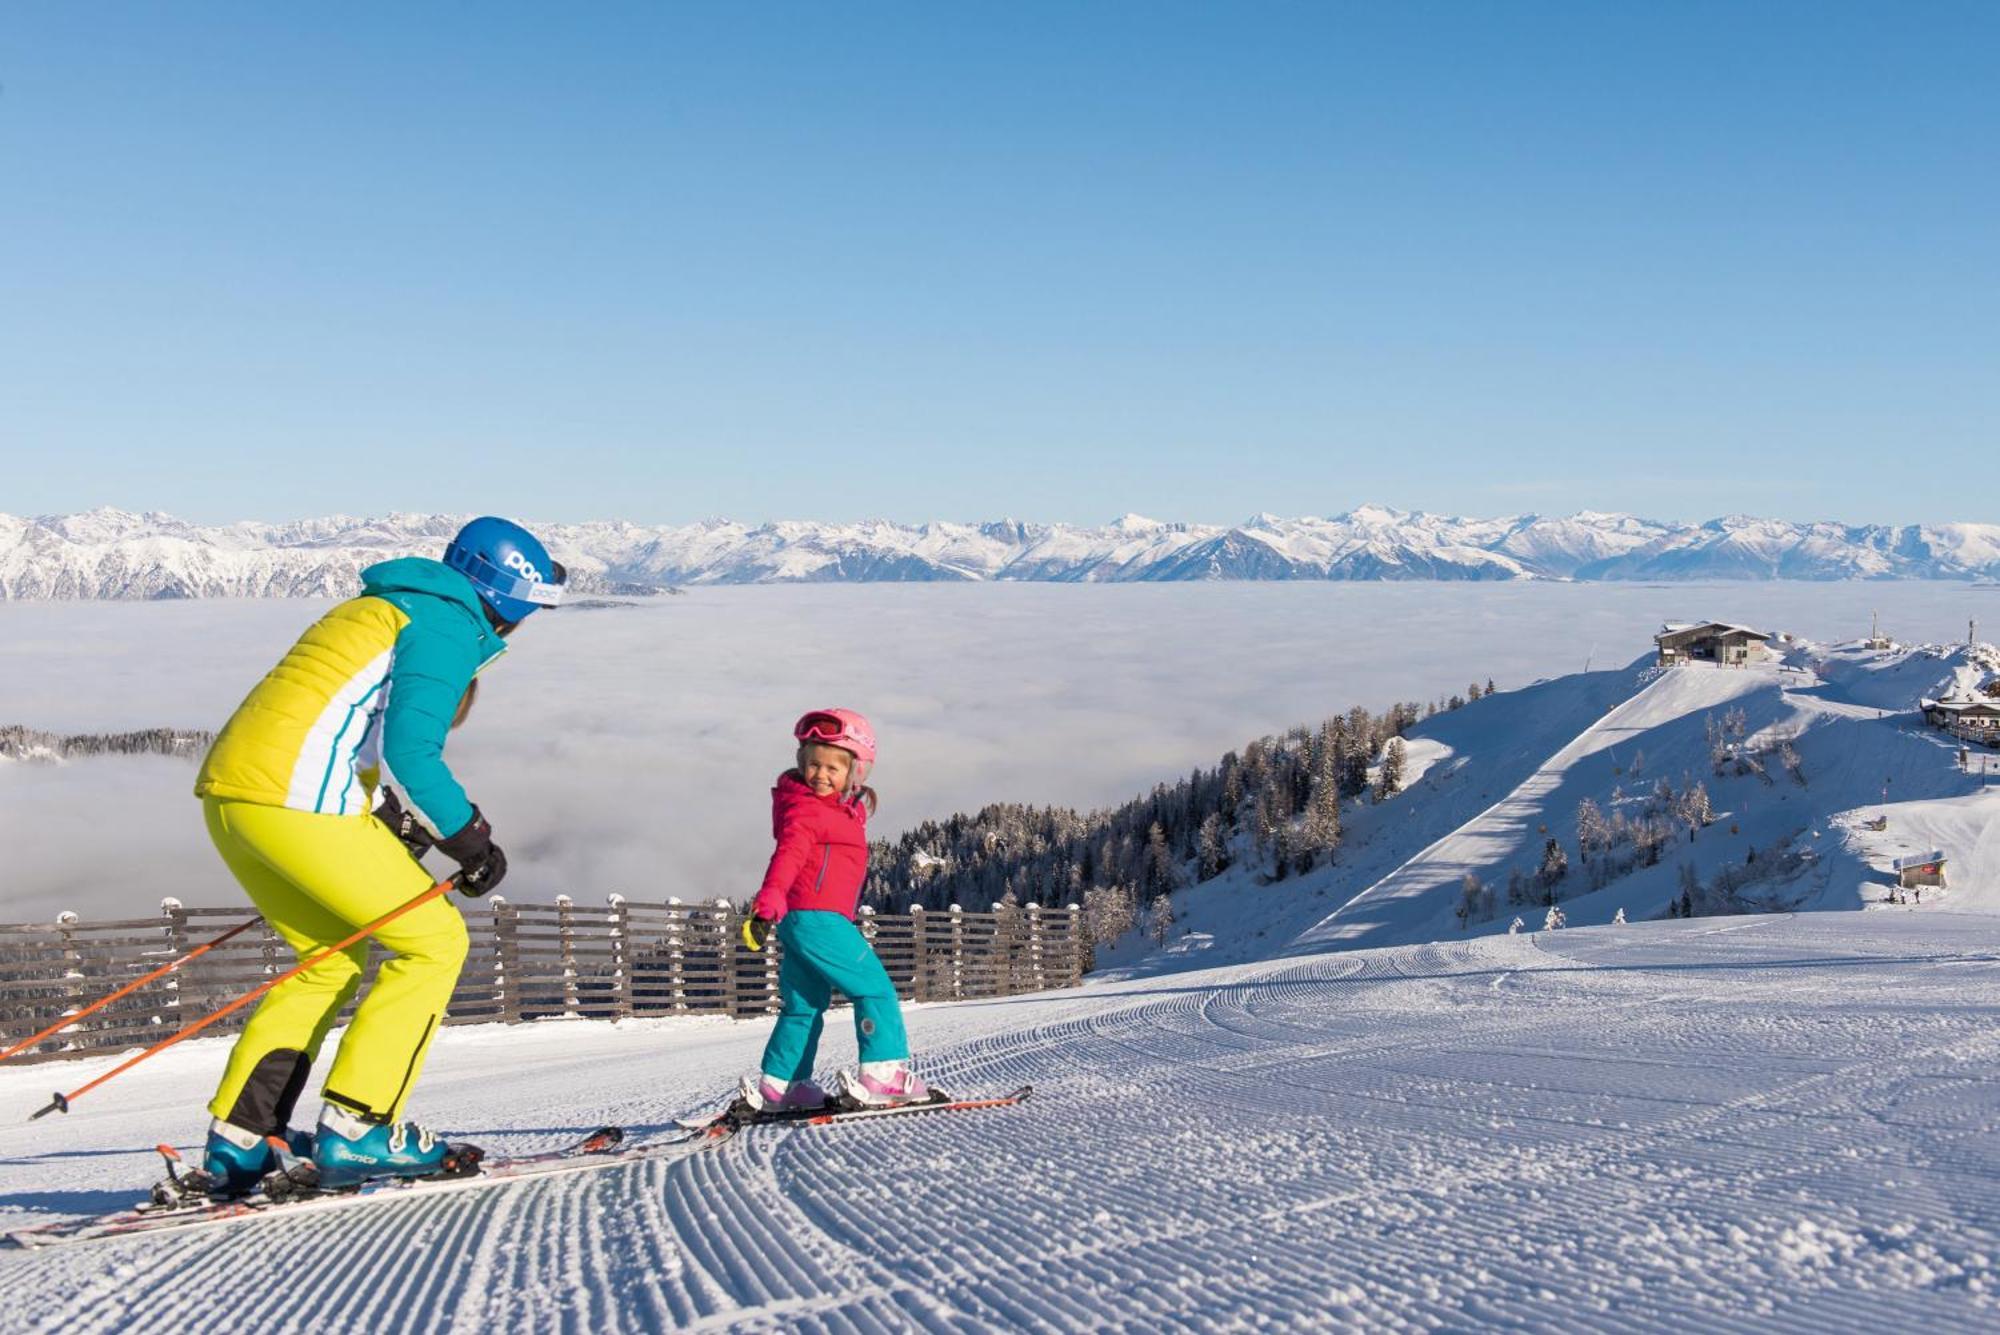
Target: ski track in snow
[{"x": 1774, "y": 1123}]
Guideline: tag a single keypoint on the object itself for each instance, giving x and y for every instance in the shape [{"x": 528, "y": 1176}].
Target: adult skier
[{"x": 360, "y": 708}]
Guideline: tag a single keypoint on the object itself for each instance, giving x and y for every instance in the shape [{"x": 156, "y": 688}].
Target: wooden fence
[{"x": 527, "y": 962}]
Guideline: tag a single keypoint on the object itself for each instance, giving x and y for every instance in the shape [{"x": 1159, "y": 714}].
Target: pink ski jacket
[{"x": 822, "y": 854}]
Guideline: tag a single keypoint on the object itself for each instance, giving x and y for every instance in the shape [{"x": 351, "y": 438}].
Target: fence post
[
  {"x": 176, "y": 929},
  {"x": 73, "y": 998},
  {"x": 919, "y": 974},
  {"x": 506, "y": 958},
  {"x": 1079, "y": 947},
  {"x": 267, "y": 941},
  {"x": 621, "y": 955},
  {"x": 677, "y": 953},
  {"x": 772, "y": 1005},
  {"x": 732, "y": 960},
  {"x": 566, "y": 948},
  {"x": 1007, "y": 969},
  {"x": 175, "y": 916},
  {"x": 269, "y": 944},
  {"x": 957, "y": 952},
  {"x": 1035, "y": 946}
]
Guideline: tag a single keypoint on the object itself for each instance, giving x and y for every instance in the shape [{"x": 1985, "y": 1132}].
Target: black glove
[
  {"x": 403, "y": 825},
  {"x": 481, "y": 864},
  {"x": 756, "y": 931}
]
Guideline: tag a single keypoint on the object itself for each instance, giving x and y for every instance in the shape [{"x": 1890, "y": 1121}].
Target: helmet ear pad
[{"x": 501, "y": 625}]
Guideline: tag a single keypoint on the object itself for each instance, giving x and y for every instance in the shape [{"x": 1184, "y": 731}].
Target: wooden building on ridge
[
  {"x": 1711, "y": 642},
  {"x": 1973, "y": 720}
]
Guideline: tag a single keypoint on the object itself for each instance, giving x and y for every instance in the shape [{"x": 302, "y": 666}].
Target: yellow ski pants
[{"x": 316, "y": 878}]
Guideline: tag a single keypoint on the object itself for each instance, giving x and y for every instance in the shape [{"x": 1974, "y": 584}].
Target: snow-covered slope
[
  {"x": 1487, "y": 787},
  {"x": 1778, "y": 1123},
  {"x": 1849, "y": 719},
  {"x": 113, "y": 554}
]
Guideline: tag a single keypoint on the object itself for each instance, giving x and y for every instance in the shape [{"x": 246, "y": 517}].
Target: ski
[
  {"x": 831, "y": 1115},
  {"x": 601, "y": 1149},
  {"x": 836, "y": 1116}
]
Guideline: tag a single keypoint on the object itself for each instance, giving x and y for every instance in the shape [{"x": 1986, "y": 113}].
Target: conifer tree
[
  {"x": 1698, "y": 808},
  {"x": 1593, "y": 833},
  {"x": 1211, "y": 854},
  {"x": 1264, "y": 826},
  {"x": 1390, "y": 781},
  {"x": 1322, "y": 824},
  {"x": 1473, "y": 899},
  {"x": 1163, "y": 875},
  {"x": 1555, "y": 866}
]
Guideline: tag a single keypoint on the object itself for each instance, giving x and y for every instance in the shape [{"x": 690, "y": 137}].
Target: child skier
[
  {"x": 363, "y": 700},
  {"x": 819, "y": 814}
]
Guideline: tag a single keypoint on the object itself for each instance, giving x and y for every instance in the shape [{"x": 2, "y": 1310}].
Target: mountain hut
[
  {"x": 1972, "y": 720},
  {"x": 1711, "y": 642},
  {"x": 1920, "y": 869}
]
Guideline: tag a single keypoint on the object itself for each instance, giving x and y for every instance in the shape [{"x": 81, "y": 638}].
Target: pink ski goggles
[
  {"x": 838, "y": 727},
  {"x": 820, "y": 728}
]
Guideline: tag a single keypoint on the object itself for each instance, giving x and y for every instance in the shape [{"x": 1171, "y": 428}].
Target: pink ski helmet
[{"x": 842, "y": 728}]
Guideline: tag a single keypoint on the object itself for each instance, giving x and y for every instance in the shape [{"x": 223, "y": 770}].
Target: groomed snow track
[{"x": 1725, "y": 1124}]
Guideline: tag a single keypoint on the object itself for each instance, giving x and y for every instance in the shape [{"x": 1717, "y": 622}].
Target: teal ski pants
[{"x": 824, "y": 951}]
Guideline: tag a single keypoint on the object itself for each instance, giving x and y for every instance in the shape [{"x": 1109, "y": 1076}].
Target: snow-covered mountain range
[{"x": 109, "y": 554}]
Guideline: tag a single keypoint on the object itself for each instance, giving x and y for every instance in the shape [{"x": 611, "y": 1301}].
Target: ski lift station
[
  {"x": 1920, "y": 869},
  {"x": 1710, "y": 642}
]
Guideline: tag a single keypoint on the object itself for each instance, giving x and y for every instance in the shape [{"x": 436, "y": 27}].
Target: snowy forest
[
  {"x": 22, "y": 743},
  {"x": 1278, "y": 803}
]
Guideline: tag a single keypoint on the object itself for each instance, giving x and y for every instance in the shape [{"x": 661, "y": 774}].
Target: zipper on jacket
[{"x": 825, "y": 856}]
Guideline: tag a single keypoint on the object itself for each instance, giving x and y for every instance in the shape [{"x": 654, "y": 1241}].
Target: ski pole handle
[
  {"x": 128, "y": 989},
  {"x": 61, "y": 1102}
]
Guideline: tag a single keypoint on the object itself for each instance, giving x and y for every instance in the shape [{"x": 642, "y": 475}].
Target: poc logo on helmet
[{"x": 522, "y": 566}]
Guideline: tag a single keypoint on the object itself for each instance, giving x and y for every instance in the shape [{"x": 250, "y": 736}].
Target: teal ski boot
[
  {"x": 349, "y": 1151},
  {"x": 235, "y": 1161}
]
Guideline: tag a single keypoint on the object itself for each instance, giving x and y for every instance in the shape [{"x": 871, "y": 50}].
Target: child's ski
[
  {"x": 831, "y": 1114},
  {"x": 601, "y": 1149}
]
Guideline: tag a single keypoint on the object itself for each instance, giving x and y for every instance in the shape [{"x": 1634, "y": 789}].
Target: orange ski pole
[
  {"x": 61, "y": 1102},
  {"x": 128, "y": 989}
]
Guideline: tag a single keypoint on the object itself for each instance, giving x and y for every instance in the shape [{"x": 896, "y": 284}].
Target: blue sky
[{"x": 955, "y": 261}]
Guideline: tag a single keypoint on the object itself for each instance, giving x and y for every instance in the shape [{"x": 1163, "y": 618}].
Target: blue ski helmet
[{"x": 511, "y": 569}]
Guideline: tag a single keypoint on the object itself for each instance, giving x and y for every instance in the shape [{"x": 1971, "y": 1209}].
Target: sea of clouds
[{"x": 631, "y": 748}]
